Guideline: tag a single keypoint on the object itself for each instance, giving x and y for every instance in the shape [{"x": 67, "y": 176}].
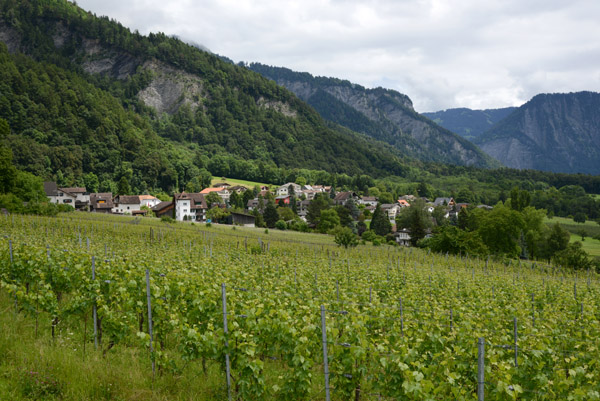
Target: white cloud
[{"x": 441, "y": 53}]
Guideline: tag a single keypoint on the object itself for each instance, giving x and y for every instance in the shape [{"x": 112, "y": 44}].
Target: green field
[
  {"x": 234, "y": 181},
  {"x": 399, "y": 323},
  {"x": 591, "y": 227}
]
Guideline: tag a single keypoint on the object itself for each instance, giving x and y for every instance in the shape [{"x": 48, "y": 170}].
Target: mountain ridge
[
  {"x": 384, "y": 114},
  {"x": 557, "y": 132},
  {"x": 469, "y": 123}
]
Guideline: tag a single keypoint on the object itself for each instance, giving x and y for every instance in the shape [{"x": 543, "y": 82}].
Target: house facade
[
  {"x": 224, "y": 193},
  {"x": 101, "y": 202},
  {"x": 391, "y": 209},
  {"x": 190, "y": 207},
  {"x": 77, "y": 197},
  {"x": 284, "y": 190}
]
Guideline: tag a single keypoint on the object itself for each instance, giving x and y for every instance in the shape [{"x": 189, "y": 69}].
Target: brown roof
[
  {"x": 198, "y": 201},
  {"x": 144, "y": 197},
  {"x": 340, "y": 196},
  {"x": 162, "y": 205},
  {"x": 128, "y": 199},
  {"x": 50, "y": 188},
  {"x": 74, "y": 190},
  {"x": 102, "y": 196}
]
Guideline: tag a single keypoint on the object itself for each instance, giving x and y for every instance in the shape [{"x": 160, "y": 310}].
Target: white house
[
  {"x": 368, "y": 201},
  {"x": 284, "y": 190},
  {"x": 126, "y": 204},
  {"x": 391, "y": 209},
  {"x": 191, "y": 206},
  {"x": 77, "y": 197},
  {"x": 149, "y": 200}
]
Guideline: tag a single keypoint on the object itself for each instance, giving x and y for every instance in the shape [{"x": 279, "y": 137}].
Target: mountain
[
  {"x": 469, "y": 123},
  {"x": 85, "y": 95},
  {"x": 380, "y": 113},
  {"x": 551, "y": 132}
]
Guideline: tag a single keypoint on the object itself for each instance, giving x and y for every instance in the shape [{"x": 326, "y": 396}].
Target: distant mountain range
[
  {"x": 551, "y": 132},
  {"x": 383, "y": 114},
  {"x": 468, "y": 123}
]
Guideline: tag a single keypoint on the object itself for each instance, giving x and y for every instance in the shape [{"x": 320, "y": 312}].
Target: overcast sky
[{"x": 441, "y": 53}]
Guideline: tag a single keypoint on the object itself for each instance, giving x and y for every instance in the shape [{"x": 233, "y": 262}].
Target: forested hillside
[
  {"x": 84, "y": 95},
  {"x": 384, "y": 114}
]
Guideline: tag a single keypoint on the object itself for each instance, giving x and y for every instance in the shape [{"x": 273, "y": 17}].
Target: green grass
[
  {"x": 591, "y": 227},
  {"x": 234, "y": 181},
  {"x": 590, "y": 245},
  {"x": 36, "y": 367}
]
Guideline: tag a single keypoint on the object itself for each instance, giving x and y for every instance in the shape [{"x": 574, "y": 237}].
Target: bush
[
  {"x": 280, "y": 225},
  {"x": 344, "y": 237},
  {"x": 369, "y": 235}
]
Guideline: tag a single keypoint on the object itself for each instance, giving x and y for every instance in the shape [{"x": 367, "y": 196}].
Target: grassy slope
[
  {"x": 235, "y": 181},
  {"x": 590, "y": 245}
]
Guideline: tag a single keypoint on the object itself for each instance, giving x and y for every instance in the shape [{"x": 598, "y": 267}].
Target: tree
[
  {"x": 453, "y": 240},
  {"x": 579, "y": 217},
  {"x": 345, "y": 237},
  {"x": 328, "y": 220},
  {"x": 315, "y": 207},
  {"x": 91, "y": 182},
  {"x": 500, "y": 230},
  {"x": 8, "y": 173},
  {"x": 344, "y": 215},
  {"x": 574, "y": 257},
  {"x": 423, "y": 190},
  {"x": 213, "y": 198},
  {"x": 556, "y": 240},
  {"x": 4, "y": 128},
  {"x": 123, "y": 187},
  {"x": 380, "y": 223},
  {"x": 301, "y": 181},
  {"x": 270, "y": 215},
  {"x": 235, "y": 200}
]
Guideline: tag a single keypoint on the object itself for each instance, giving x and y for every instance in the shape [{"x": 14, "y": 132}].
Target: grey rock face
[{"x": 552, "y": 132}]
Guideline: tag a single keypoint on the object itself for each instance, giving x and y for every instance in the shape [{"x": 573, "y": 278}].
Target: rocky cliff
[
  {"x": 469, "y": 123},
  {"x": 384, "y": 114},
  {"x": 552, "y": 132}
]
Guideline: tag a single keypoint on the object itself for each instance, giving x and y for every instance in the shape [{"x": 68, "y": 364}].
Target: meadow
[{"x": 288, "y": 315}]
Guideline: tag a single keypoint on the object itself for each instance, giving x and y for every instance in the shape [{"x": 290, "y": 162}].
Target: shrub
[{"x": 280, "y": 225}]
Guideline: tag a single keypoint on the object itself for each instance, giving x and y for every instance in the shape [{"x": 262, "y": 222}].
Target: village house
[
  {"x": 164, "y": 208},
  {"x": 302, "y": 208},
  {"x": 241, "y": 219},
  {"x": 392, "y": 210},
  {"x": 149, "y": 201},
  {"x": 240, "y": 189},
  {"x": 403, "y": 237},
  {"x": 224, "y": 193},
  {"x": 101, "y": 202},
  {"x": 190, "y": 206},
  {"x": 126, "y": 204},
  {"x": 341, "y": 198},
  {"x": 403, "y": 203},
  {"x": 77, "y": 197},
  {"x": 368, "y": 201},
  {"x": 284, "y": 198},
  {"x": 284, "y": 190},
  {"x": 444, "y": 202}
]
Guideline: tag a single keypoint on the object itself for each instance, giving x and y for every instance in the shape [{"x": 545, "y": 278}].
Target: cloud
[{"x": 442, "y": 53}]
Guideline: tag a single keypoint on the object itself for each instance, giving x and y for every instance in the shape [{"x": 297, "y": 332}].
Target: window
[
  {"x": 127, "y": 207},
  {"x": 67, "y": 200},
  {"x": 184, "y": 210}
]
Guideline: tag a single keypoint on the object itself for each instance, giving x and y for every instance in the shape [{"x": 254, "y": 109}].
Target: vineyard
[{"x": 294, "y": 317}]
